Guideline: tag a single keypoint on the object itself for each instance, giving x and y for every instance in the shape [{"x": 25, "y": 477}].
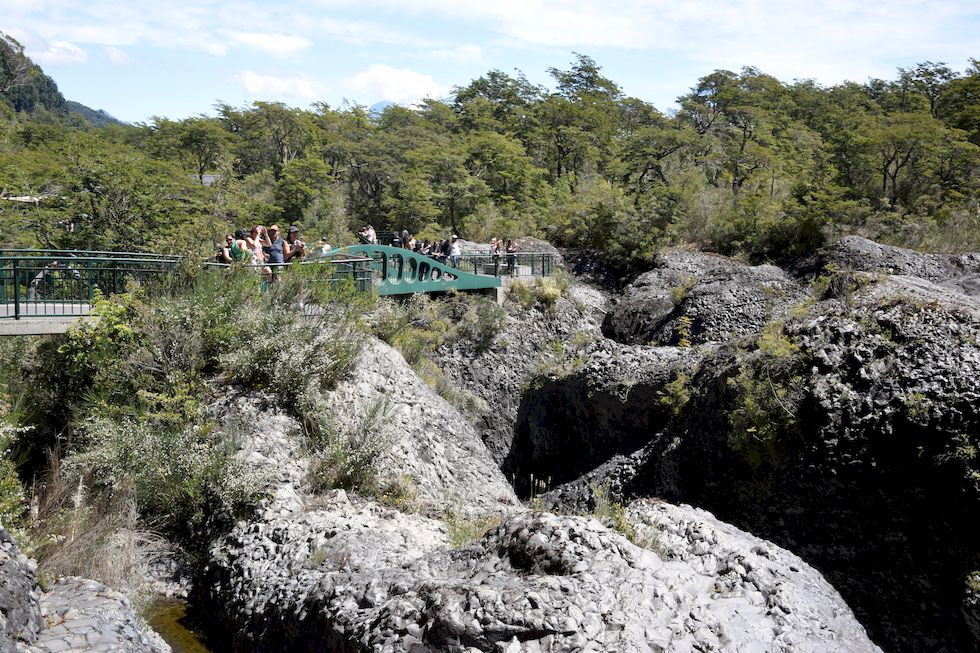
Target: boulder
[
  {"x": 352, "y": 576},
  {"x": 431, "y": 442},
  {"x": 85, "y": 615},
  {"x": 20, "y": 610},
  {"x": 700, "y": 297},
  {"x": 855, "y": 253},
  {"x": 848, "y": 436},
  {"x": 71, "y": 614},
  {"x": 428, "y": 444}
]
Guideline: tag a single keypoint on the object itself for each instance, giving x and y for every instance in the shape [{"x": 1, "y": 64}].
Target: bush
[
  {"x": 543, "y": 291},
  {"x": 463, "y": 530},
  {"x": 346, "y": 455},
  {"x": 179, "y": 478},
  {"x": 611, "y": 513},
  {"x": 768, "y": 390}
]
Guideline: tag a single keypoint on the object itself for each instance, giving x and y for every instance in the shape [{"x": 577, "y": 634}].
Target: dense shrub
[{"x": 128, "y": 410}]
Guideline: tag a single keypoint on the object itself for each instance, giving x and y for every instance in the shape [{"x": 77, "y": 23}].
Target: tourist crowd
[
  {"x": 445, "y": 251},
  {"x": 265, "y": 248}
]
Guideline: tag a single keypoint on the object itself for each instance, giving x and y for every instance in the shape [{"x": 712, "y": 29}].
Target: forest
[{"x": 747, "y": 166}]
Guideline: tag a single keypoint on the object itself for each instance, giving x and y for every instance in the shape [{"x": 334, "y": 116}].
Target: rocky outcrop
[
  {"x": 20, "y": 610},
  {"x": 849, "y": 436},
  {"x": 699, "y": 298},
  {"x": 606, "y": 414},
  {"x": 530, "y": 340},
  {"x": 340, "y": 572},
  {"x": 352, "y": 576},
  {"x": 84, "y": 615},
  {"x": 70, "y": 616},
  {"x": 854, "y": 253},
  {"x": 431, "y": 442}
]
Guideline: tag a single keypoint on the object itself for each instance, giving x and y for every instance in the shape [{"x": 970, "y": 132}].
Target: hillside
[{"x": 26, "y": 89}]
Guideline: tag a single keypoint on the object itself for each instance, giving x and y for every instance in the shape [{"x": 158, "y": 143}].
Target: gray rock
[
  {"x": 72, "y": 614},
  {"x": 378, "y": 581},
  {"x": 530, "y": 341},
  {"x": 432, "y": 443},
  {"x": 854, "y": 253},
  {"x": 867, "y": 470},
  {"x": 722, "y": 299},
  {"x": 20, "y": 612},
  {"x": 85, "y": 615}
]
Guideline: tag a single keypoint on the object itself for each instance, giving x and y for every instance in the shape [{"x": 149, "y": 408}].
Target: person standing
[
  {"x": 294, "y": 247},
  {"x": 455, "y": 251},
  {"x": 240, "y": 252},
  {"x": 275, "y": 252}
]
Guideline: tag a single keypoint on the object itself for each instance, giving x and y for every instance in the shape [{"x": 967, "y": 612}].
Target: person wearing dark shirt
[{"x": 294, "y": 247}]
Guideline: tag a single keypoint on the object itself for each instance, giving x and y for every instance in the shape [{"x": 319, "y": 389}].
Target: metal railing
[
  {"x": 357, "y": 269},
  {"x": 48, "y": 283},
  {"x": 56, "y": 283},
  {"x": 519, "y": 264}
]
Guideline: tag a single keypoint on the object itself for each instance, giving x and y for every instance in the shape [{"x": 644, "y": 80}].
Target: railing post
[
  {"x": 16, "y": 289},
  {"x": 496, "y": 266}
]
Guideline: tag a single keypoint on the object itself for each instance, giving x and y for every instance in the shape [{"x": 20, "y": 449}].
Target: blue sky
[{"x": 179, "y": 58}]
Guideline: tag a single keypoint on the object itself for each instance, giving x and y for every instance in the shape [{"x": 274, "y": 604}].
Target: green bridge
[{"x": 45, "y": 291}]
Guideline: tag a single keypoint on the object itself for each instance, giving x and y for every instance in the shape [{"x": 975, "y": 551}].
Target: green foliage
[
  {"x": 683, "y": 329},
  {"x": 543, "y": 292},
  {"x": 13, "y": 503},
  {"x": 464, "y": 530},
  {"x": 420, "y": 325},
  {"x": 749, "y": 166},
  {"x": 768, "y": 389},
  {"x": 611, "y": 513},
  {"x": 347, "y": 455},
  {"x": 125, "y": 395},
  {"x": 399, "y": 493},
  {"x": 679, "y": 292},
  {"x": 178, "y": 478},
  {"x": 677, "y": 394}
]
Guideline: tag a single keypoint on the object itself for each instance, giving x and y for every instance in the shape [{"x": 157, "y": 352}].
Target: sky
[{"x": 138, "y": 59}]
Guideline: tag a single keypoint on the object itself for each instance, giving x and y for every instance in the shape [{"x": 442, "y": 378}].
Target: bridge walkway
[{"x": 46, "y": 291}]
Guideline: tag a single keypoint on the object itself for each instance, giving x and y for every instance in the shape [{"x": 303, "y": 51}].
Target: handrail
[
  {"x": 73, "y": 253},
  {"x": 49, "y": 283}
]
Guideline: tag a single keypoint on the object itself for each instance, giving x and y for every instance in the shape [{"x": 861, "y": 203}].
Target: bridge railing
[
  {"x": 519, "y": 264},
  {"x": 339, "y": 270},
  {"x": 45, "y": 283}
]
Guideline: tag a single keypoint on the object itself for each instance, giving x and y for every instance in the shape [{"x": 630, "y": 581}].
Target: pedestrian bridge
[{"x": 46, "y": 291}]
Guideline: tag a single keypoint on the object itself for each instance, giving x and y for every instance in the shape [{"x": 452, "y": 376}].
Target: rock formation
[
  {"x": 700, "y": 298},
  {"x": 847, "y": 432},
  {"x": 70, "y": 615},
  {"x": 343, "y": 573}
]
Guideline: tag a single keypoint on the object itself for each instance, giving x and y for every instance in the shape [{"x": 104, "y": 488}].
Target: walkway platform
[{"x": 39, "y": 319}]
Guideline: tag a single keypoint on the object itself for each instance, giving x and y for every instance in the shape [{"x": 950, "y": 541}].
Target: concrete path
[{"x": 32, "y": 321}]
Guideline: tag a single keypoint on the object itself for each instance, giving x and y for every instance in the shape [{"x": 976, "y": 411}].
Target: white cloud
[
  {"x": 360, "y": 32},
  {"x": 279, "y": 45},
  {"x": 466, "y": 53},
  {"x": 58, "y": 53},
  {"x": 824, "y": 38},
  {"x": 115, "y": 55},
  {"x": 381, "y": 82},
  {"x": 299, "y": 86}
]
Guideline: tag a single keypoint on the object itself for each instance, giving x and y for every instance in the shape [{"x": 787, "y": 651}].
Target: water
[{"x": 169, "y": 618}]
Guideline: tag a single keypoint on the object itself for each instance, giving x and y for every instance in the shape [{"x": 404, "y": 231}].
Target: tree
[
  {"x": 931, "y": 80},
  {"x": 16, "y": 68},
  {"x": 199, "y": 142}
]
